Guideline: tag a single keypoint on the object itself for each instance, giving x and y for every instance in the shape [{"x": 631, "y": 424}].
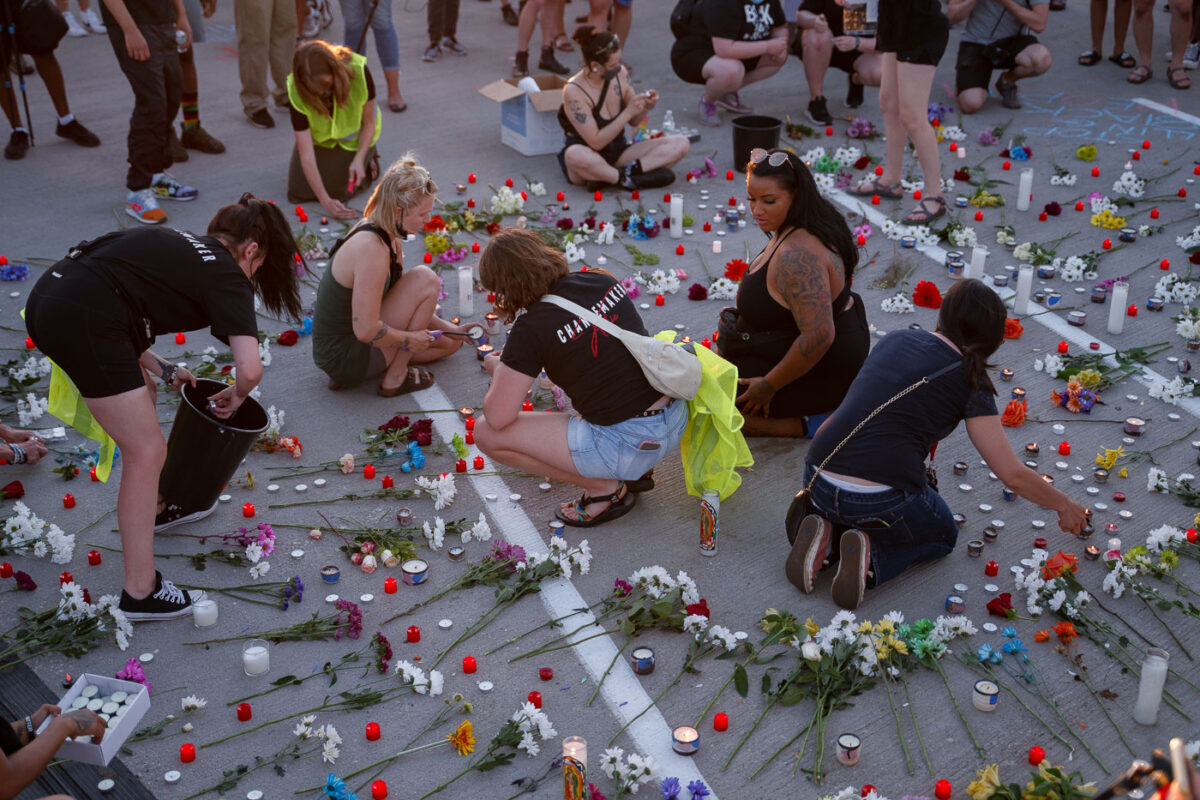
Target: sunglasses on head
[{"x": 758, "y": 155}]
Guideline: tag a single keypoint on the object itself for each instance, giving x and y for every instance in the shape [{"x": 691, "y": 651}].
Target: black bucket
[
  {"x": 204, "y": 452},
  {"x": 756, "y": 130}
]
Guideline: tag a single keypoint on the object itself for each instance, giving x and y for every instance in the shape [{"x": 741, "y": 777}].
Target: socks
[
  {"x": 20, "y": 129},
  {"x": 67, "y": 120},
  {"x": 190, "y": 103}
]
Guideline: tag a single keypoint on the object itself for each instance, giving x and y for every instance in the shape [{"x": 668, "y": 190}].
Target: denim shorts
[
  {"x": 629, "y": 449},
  {"x": 904, "y": 528}
]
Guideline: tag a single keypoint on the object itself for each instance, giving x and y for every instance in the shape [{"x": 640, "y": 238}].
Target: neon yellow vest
[{"x": 342, "y": 128}]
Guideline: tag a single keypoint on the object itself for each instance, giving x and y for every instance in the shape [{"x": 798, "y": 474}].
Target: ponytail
[
  {"x": 972, "y": 317},
  {"x": 254, "y": 220}
]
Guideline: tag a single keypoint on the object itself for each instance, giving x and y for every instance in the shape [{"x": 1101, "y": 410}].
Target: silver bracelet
[
  {"x": 18, "y": 453},
  {"x": 29, "y": 728}
]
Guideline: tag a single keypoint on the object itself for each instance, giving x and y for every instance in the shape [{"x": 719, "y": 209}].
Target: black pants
[
  {"x": 443, "y": 19},
  {"x": 156, "y": 92}
]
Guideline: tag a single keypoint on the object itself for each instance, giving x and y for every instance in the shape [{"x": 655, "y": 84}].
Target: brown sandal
[
  {"x": 922, "y": 215},
  {"x": 416, "y": 380},
  {"x": 874, "y": 187},
  {"x": 561, "y": 42},
  {"x": 1176, "y": 83},
  {"x": 1140, "y": 74}
]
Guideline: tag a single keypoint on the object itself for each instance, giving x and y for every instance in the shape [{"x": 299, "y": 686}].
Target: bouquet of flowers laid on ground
[
  {"x": 346, "y": 620},
  {"x": 1048, "y": 782},
  {"x": 641, "y": 226},
  {"x": 1138, "y": 562},
  {"x": 26, "y": 533},
  {"x": 505, "y": 201},
  {"x": 897, "y": 304},
  {"x": 1095, "y": 371},
  {"x": 1076, "y": 398},
  {"x": 628, "y": 773},
  {"x": 662, "y": 281},
  {"x": 862, "y": 128},
  {"x": 896, "y": 231},
  {"x": 306, "y": 740},
  {"x": 74, "y": 627},
  {"x": 895, "y": 660},
  {"x": 523, "y": 731},
  {"x": 243, "y": 548}
]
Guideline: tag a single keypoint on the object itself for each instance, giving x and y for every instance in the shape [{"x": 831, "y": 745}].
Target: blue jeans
[
  {"x": 629, "y": 449},
  {"x": 903, "y": 528},
  {"x": 354, "y": 14}
]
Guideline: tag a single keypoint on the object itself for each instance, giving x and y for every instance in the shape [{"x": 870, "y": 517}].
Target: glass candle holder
[
  {"x": 256, "y": 657},
  {"x": 204, "y": 614},
  {"x": 574, "y": 768}
]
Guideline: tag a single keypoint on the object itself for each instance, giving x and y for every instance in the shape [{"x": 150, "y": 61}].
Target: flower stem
[
  {"x": 611, "y": 664},
  {"x": 652, "y": 703},
  {"x": 802, "y": 732},
  {"x": 978, "y": 747},
  {"x": 912, "y": 712},
  {"x": 442, "y": 786},
  {"x": 1170, "y": 632},
  {"x": 546, "y": 624},
  {"x": 746, "y": 736},
  {"x": 887, "y": 685},
  {"x": 544, "y": 650},
  {"x": 473, "y": 629},
  {"x": 720, "y": 692}
]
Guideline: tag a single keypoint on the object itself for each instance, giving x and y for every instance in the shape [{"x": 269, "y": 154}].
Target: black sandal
[
  {"x": 1123, "y": 60},
  {"x": 874, "y": 186},
  {"x": 921, "y": 215},
  {"x": 642, "y": 484},
  {"x": 1089, "y": 59},
  {"x": 619, "y": 504}
]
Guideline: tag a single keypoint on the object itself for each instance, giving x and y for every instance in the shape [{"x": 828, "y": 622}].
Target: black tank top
[
  {"x": 395, "y": 270},
  {"x": 597, "y": 106},
  {"x": 758, "y": 311}
]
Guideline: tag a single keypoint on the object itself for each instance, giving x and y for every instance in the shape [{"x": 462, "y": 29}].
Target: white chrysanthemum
[
  {"x": 722, "y": 289},
  {"x": 1067, "y": 179},
  {"x": 897, "y": 304},
  {"x": 437, "y": 683},
  {"x": 537, "y": 188},
  {"x": 434, "y": 534},
  {"x": 1156, "y": 480},
  {"x": 964, "y": 237},
  {"x": 641, "y": 770},
  {"x": 192, "y": 702},
  {"x": 1190, "y": 240},
  {"x": 1024, "y": 251},
  {"x": 581, "y": 557},
  {"x": 815, "y": 154},
  {"x": 610, "y": 761},
  {"x": 260, "y": 569},
  {"x": 505, "y": 201},
  {"x": 31, "y": 408},
  {"x": 846, "y": 155},
  {"x": 573, "y": 252},
  {"x": 303, "y": 729},
  {"x": 695, "y": 623},
  {"x": 719, "y": 634},
  {"x": 441, "y": 489},
  {"x": 480, "y": 531},
  {"x": 946, "y": 628},
  {"x": 953, "y": 133},
  {"x": 1071, "y": 269},
  {"x": 655, "y": 580},
  {"x": 1163, "y": 537},
  {"x": 688, "y": 589},
  {"x": 330, "y": 752},
  {"x": 274, "y": 422},
  {"x": 1102, "y": 204},
  {"x": 1057, "y": 599},
  {"x": 1171, "y": 392},
  {"x": 1053, "y": 364}
]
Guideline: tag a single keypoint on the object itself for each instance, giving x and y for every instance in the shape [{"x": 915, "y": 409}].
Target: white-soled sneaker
[
  {"x": 167, "y": 601},
  {"x": 174, "y": 515}
]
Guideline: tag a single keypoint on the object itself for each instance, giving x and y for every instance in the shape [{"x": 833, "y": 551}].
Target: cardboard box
[
  {"x": 118, "y": 730},
  {"x": 529, "y": 120}
]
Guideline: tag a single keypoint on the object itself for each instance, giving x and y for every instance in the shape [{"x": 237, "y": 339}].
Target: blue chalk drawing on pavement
[{"x": 1081, "y": 118}]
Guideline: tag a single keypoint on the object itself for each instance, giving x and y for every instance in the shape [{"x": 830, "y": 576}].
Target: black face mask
[{"x": 610, "y": 74}]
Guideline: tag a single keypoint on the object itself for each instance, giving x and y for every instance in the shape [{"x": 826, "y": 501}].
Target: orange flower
[
  {"x": 1041, "y": 635},
  {"x": 1013, "y": 328},
  {"x": 735, "y": 269},
  {"x": 1014, "y": 413},
  {"x": 1066, "y": 631},
  {"x": 1056, "y": 397},
  {"x": 1059, "y": 563}
]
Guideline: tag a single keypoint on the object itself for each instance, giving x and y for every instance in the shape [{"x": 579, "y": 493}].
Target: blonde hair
[
  {"x": 402, "y": 186},
  {"x": 315, "y": 59}
]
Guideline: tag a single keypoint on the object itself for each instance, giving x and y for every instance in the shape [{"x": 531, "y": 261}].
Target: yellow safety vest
[{"x": 342, "y": 128}]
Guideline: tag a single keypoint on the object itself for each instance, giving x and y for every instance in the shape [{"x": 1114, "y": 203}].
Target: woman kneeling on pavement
[
  {"x": 622, "y": 426},
  {"x": 336, "y": 121},
  {"x": 871, "y": 482},
  {"x": 95, "y": 315},
  {"x": 598, "y": 102},
  {"x": 372, "y": 317},
  {"x": 798, "y": 335}
]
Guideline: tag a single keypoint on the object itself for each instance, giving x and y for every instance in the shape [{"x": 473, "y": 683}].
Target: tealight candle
[
  {"x": 685, "y": 740},
  {"x": 457, "y": 553},
  {"x": 991, "y": 569},
  {"x": 413, "y": 634},
  {"x": 1006, "y": 374},
  {"x": 483, "y": 351},
  {"x": 204, "y": 613},
  {"x": 1135, "y": 426},
  {"x": 404, "y": 515},
  {"x": 642, "y": 660},
  {"x": 848, "y": 747},
  {"x": 94, "y": 558},
  {"x": 415, "y": 571},
  {"x": 331, "y": 574},
  {"x": 491, "y": 323},
  {"x": 256, "y": 657},
  {"x": 986, "y": 695}
]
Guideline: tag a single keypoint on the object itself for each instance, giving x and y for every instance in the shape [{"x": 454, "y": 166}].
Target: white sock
[
  {"x": 67, "y": 120},
  {"x": 20, "y": 129}
]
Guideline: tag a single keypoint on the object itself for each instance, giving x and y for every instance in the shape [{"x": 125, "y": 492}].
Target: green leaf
[
  {"x": 283, "y": 680},
  {"x": 741, "y": 681},
  {"x": 792, "y": 696},
  {"x": 766, "y": 683}
]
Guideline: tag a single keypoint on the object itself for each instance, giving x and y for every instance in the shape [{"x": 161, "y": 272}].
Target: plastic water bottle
[{"x": 668, "y": 125}]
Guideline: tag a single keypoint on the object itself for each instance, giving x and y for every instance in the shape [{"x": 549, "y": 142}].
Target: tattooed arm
[
  {"x": 801, "y": 279},
  {"x": 168, "y": 373},
  {"x": 23, "y": 767},
  {"x": 578, "y": 109}
]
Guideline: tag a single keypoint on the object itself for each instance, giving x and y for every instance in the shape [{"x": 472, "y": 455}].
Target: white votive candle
[
  {"x": 466, "y": 290},
  {"x": 204, "y": 613},
  {"x": 716, "y": 245},
  {"x": 256, "y": 657},
  {"x": 978, "y": 256},
  {"x": 1024, "y": 289},
  {"x": 1025, "y": 189},
  {"x": 1116, "y": 308},
  {"x": 676, "y": 216}
]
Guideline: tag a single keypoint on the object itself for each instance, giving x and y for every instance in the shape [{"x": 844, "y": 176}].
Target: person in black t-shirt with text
[
  {"x": 95, "y": 315},
  {"x": 622, "y": 426}
]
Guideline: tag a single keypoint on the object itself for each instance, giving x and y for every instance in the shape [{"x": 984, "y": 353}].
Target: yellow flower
[
  {"x": 899, "y": 645},
  {"x": 1089, "y": 378},
  {"x": 881, "y": 652},
  {"x": 987, "y": 780},
  {"x": 463, "y": 738},
  {"x": 865, "y": 626},
  {"x": 1108, "y": 458},
  {"x": 1196, "y": 521},
  {"x": 1124, "y": 473},
  {"x": 885, "y": 627},
  {"x": 811, "y": 627}
]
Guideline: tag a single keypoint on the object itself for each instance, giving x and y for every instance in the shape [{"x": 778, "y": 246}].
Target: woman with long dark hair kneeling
[{"x": 871, "y": 482}]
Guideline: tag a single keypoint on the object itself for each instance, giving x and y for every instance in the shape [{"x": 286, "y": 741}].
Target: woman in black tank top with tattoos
[{"x": 799, "y": 335}]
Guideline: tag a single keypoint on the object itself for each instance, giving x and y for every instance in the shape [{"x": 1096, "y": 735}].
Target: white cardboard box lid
[
  {"x": 117, "y": 733},
  {"x": 548, "y": 99}
]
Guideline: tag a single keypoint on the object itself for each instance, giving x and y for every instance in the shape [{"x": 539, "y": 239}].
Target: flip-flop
[
  {"x": 424, "y": 381},
  {"x": 396, "y": 108},
  {"x": 618, "y": 506},
  {"x": 1089, "y": 59},
  {"x": 874, "y": 187},
  {"x": 1123, "y": 60},
  {"x": 1140, "y": 74},
  {"x": 561, "y": 42}
]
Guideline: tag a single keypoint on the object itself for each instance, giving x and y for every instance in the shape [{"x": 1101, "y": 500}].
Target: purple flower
[
  {"x": 549, "y": 217},
  {"x": 503, "y": 552},
  {"x": 863, "y": 230},
  {"x": 299, "y": 589},
  {"x": 987, "y": 137},
  {"x": 697, "y": 291},
  {"x": 698, "y": 790},
  {"x": 266, "y": 538},
  {"x": 560, "y": 397},
  {"x": 24, "y": 581},
  {"x": 631, "y": 288},
  {"x": 133, "y": 672},
  {"x": 622, "y": 588},
  {"x": 352, "y": 626},
  {"x": 383, "y": 652},
  {"x": 669, "y": 788}
]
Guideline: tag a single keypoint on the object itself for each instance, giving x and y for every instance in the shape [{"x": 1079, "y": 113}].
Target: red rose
[
  {"x": 1053, "y": 209},
  {"x": 1195, "y": 257},
  {"x": 492, "y": 228},
  {"x": 436, "y": 223},
  {"x": 697, "y": 291},
  {"x": 13, "y": 491},
  {"x": 735, "y": 269},
  {"x": 927, "y": 295},
  {"x": 1013, "y": 328},
  {"x": 962, "y": 175},
  {"x": 863, "y": 162},
  {"x": 700, "y": 608},
  {"x": 1001, "y": 606},
  {"x": 288, "y": 338}
]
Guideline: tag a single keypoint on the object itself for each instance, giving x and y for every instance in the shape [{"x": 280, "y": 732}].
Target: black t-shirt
[
  {"x": 300, "y": 119},
  {"x": 831, "y": 10},
  {"x": 178, "y": 282},
  {"x": 10, "y": 743},
  {"x": 144, "y": 12},
  {"x": 742, "y": 20},
  {"x": 596, "y": 371},
  {"x": 906, "y": 429}
]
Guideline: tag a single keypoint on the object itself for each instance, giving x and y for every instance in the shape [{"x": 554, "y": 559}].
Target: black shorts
[
  {"x": 688, "y": 62},
  {"x": 928, "y": 53},
  {"x": 839, "y": 59},
  {"x": 611, "y": 152},
  {"x": 76, "y": 319},
  {"x": 973, "y": 70}
]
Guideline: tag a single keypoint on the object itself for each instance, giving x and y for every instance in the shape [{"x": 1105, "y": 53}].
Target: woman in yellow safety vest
[{"x": 336, "y": 122}]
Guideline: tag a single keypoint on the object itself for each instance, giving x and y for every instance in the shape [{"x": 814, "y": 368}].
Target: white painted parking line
[
  {"x": 622, "y": 692},
  {"x": 1160, "y": 108}
]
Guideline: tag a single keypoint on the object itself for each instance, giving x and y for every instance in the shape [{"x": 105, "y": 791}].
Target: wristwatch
[{"x": 29, "y": 728}]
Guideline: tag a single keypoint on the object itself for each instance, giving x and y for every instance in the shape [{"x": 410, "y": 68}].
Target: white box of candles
[{"x": 123, "y": 702}]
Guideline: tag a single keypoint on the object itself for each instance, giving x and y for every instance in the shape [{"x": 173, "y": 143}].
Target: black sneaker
[
  {"x": 655, "y": 178},
  {"x": 818, "y": 113},
  {"x": 77, "y": 134},
  {"x": 173, "y": 515},
  {"x": 1010, "y": 95},
  {"x": 854, "y": 95},
  {"x": 550, "y": 63},
  {"x": 167, "y": 601},
  {"x": 261, "y": 118},
  {"x": 18, "y": 146},
  {"x": 521, "y": 65},
  {"x": 510, "y": 16}
]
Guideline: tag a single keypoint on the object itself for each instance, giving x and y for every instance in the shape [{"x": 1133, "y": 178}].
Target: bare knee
[
  {"x": 913, "y": 118},
  {"x": 677, "y": 147},
  {"x": 1037, "y": 58},
  {"x": 725, "y": 72},
  {"x": 425, "y": 280},
  {"x": 971, "y": 100},
  {"x": 869, "y": 70},
  {"x": 485, "y": 436},
  {"x": 818, "y": 42},
  {"x": 889, "y": 104}
]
